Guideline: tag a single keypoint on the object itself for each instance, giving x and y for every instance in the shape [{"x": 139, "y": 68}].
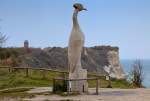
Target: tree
[
  {"x": 3, "y": 39},
  {"x": 137, "y": 74}
]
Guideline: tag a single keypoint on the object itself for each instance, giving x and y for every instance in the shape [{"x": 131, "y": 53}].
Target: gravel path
[{"x": 105, "y": 95}]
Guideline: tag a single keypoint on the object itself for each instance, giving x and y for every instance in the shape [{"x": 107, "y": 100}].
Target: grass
[
  {"x": 121, "y": 84},
  {"x": 12, "y": 90},
  {"x": 19, "y": 83},
  {"x": 103, "y": 83},
  {"x": 19, "y": 79},
  {"x": 35, "y": 79},
  {"x": 15, "y": 93}
]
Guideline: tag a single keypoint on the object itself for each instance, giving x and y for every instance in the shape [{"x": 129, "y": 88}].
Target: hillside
[{"x": 98, "y": 59}]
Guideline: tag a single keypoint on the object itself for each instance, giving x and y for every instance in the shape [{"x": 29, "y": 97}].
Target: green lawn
[
  {"x": 19, "y": 79},
  {"x": 35, "y": 79}
]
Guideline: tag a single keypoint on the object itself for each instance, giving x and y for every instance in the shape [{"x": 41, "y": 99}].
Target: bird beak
[{"x": 85, "y": 9}]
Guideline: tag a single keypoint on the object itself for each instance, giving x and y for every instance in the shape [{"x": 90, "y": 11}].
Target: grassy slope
[{"x": 35, "y": 79}]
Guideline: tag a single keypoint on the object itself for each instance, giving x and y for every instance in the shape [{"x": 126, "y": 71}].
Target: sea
[{"x": 127, "y": 66}]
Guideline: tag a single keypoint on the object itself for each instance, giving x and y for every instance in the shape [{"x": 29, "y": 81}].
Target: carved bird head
[{"x": 79, "y": 7}]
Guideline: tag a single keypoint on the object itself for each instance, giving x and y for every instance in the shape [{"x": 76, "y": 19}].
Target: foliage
[
  {"x": 137, "y": 75},
  {"x": 9, "y": 56},
  {"x": 121, "y": 84},
  {"x": 60, "y": 86}
]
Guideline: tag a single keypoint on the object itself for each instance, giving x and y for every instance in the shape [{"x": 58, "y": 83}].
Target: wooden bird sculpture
[{"x": 76, "y": 41}]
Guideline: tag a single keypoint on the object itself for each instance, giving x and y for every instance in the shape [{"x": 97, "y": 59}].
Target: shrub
[
  {"x": 60, "y": 86},
  {"x": 137, "y": 74}
]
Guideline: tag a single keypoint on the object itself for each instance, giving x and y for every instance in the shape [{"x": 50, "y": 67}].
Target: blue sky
[{"x": 122, "y": 23}]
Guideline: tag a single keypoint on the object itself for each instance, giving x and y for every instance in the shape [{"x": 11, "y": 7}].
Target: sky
[{"x": 48, "y": 23}]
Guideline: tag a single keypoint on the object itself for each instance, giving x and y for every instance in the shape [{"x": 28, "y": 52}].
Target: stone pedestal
[{"x": 79, "y": 86}]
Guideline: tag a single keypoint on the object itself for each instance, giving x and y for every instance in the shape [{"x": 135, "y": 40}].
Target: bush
[
  {"x": 137, "y": 74},
  {"x": 60, "y": 86}
]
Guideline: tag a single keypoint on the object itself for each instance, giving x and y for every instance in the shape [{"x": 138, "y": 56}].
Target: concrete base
[{"x": 80, "y": 86}]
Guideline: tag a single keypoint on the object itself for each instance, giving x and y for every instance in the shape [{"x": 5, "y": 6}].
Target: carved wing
[{"x": 74, "y": 54}]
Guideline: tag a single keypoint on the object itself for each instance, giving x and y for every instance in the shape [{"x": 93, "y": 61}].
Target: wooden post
[
  {"x": 109, "y": 83},
  {"x": 64, "y": 75},
  {"x": 44, "y": 74},
  {"x": 97, "y": 86},
  {"x": 83, "y": 88},
  {"x": 27, "y": 72},
  {"x": 54, "y": 85},
  {"x": 9, "y": 69},
  {"x": 68, "y": 88}
]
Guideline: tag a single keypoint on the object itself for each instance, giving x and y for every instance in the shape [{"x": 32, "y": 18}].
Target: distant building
[{"x": 26, "y": 44}]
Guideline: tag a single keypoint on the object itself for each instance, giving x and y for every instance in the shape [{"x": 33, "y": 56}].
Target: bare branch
[
  {"x": 3, "y": 39},
  {"x": 137, "y": 74}
]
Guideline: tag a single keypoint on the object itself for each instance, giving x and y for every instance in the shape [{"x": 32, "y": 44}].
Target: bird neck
[{"x": 75, "y": 19}]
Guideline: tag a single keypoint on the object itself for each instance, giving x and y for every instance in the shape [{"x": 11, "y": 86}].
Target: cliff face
[
  {"x": 115, "y": 69},
  {"x": 107, "y": 59},
  {"x": 101, "y": 59}
]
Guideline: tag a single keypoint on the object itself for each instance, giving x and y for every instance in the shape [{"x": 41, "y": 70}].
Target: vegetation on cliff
[{"x": 94, "y": 59}]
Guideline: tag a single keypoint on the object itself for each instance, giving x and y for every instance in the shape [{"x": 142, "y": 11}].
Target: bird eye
[{"x": 75, "y": 6}]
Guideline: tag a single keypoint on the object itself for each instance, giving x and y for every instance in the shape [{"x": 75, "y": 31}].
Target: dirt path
[
  {"x": 40, "y": 90},
  {"x": 105, "y": 95}
]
